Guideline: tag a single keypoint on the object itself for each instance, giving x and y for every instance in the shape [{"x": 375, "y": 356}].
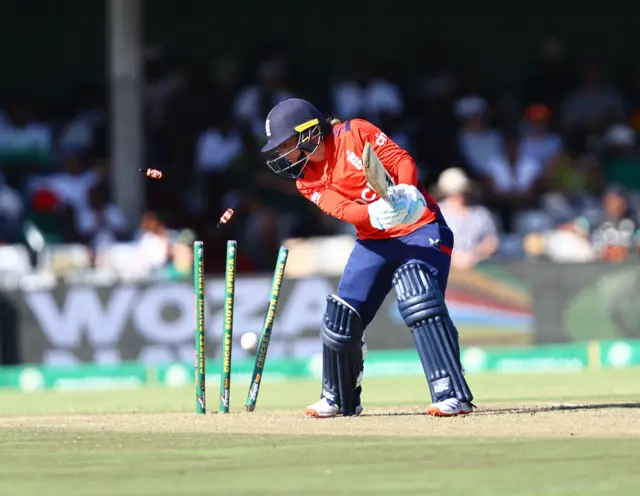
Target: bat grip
[{"x": 390, "y": 199}]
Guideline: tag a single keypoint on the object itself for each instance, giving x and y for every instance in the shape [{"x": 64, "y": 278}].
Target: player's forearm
[
  {"x": 346, "y": 211},
  {"x": 407, "y": 172}
]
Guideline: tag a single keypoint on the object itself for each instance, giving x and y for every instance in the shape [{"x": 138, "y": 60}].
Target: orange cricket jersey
[{"x": 339, "y": 187}]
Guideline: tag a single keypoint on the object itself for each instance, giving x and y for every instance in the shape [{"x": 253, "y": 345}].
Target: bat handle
[{"x": 390, "y": 199}]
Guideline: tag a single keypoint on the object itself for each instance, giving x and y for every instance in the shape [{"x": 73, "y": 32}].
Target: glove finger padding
[
  {"x": 416, "y": 209},
  {"x": 384, "y": 216},
  {"x": 416, "y": 203}
]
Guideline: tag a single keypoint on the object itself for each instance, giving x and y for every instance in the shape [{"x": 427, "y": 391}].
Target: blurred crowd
[{"x": 548, "y": 167}]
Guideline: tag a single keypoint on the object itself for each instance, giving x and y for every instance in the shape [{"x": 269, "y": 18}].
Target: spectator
[
  {"x": 26, "y": 146},
  {"x": 366, "y": 94},
  {"x": 78, "y": 133},
  {"x": 72, "y": 183},
  {"x": 180, "y": 266},
  {"x": 574, "y": 182},
  {"x": 52, "y": 219},
  {"x": 101, "y": 223},
  {"x": 621, "y": 161},
  {"x": 254, "y": 102},
  {"x": 11, "y": 212},
  {"x": 515, "y": 180},
  {"x": 218, "y": 146},
  {"x": 185, "y": 118},
  {"x": 538, "y": 141},
  {"x": 474, "y": 229},
  {"x": 609, "y": 233},
  {"x": 612, "y": 229},
  {"x": 614, "y": 232},
  {"x": 477, "y": 143},
  {"x": 593, "y": 102},
  {"x": 153, "y": 241}
]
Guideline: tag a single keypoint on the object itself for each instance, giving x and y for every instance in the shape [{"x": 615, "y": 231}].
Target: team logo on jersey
[
  {"x": 315, "y": 198},
  {"x": 381, "y": 139},
  {"x": 368, "y": 194},
  {"x": 354, "y": 160}
]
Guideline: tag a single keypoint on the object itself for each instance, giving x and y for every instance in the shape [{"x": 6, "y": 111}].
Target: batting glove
[
  {"x": 384, "y": 216},
  {"x": 415, "y": 200}
]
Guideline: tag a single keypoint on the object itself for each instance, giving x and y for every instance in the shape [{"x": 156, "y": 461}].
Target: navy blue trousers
[{"x": 366, "y": 279}]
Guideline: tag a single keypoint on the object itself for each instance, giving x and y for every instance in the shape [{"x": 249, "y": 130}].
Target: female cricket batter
[{"x": 405, "y": 246}]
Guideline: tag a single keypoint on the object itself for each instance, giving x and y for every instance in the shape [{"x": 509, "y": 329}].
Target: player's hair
[{"x": 327, "y": 125}]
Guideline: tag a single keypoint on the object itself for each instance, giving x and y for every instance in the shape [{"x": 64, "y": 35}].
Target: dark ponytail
[{"x": 327, "y": 125}]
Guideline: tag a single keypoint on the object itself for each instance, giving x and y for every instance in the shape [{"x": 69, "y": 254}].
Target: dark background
[{"x": 50, "y": 45}]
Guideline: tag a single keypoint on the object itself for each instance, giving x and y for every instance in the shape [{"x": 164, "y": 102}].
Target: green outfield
[{"x": 149, "y": 441}]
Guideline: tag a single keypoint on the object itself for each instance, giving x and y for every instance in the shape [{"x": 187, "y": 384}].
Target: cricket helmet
[{"x": 289, "y": 118}]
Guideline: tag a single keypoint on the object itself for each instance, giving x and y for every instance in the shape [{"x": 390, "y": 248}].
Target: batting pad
[
  {"x": 341, "y": 334},
  {"x": 423, "y": 309}
]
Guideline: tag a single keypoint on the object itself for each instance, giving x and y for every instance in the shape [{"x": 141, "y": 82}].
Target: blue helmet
[{"x": 293, "y": 117}]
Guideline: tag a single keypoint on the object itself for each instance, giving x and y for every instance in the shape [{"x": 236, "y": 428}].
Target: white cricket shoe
[
  {"x": 324, "y": 409},
  {"x": 450, "y": 407}
]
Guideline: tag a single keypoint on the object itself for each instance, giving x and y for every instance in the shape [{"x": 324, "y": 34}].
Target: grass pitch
[{"x": 138, "y": 442}]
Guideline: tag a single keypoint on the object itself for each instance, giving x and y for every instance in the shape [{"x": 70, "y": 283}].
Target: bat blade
[{"x": 377, "y": 176}]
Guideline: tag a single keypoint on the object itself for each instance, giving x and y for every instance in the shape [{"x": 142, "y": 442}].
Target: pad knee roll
[
  {"x": 423, "y": 309},
  {"x": 341, "y": 335}
]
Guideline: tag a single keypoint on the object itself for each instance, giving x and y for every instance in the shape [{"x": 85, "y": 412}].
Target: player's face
[
  {"x": 288, "y": 146},
  {"x": 292, "y": 156},
  {"x": 318, "y": 153},
  {"x": 287, "y": 149}
]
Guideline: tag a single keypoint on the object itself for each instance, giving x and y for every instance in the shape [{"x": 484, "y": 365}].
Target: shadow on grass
[{"x": 531, "y": 410}]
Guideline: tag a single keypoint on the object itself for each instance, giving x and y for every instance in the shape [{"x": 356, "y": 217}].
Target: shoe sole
[
  {"x": 310, "y": 412},
  {"x": 434, "y": 412}
]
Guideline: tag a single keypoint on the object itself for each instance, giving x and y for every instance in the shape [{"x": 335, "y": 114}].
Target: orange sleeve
[
  {"x": 336, "y": 205},
  {"x": 395, "y": 159}
]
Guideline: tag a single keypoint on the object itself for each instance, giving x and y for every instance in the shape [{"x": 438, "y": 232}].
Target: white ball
[{"x": 249, "y": 341}]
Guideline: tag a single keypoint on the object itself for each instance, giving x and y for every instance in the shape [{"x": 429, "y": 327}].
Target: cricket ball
[{"x": 249, "y": 342}]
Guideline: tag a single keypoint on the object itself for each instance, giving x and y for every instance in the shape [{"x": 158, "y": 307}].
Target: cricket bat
[{"x": 377, "y": 176}]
